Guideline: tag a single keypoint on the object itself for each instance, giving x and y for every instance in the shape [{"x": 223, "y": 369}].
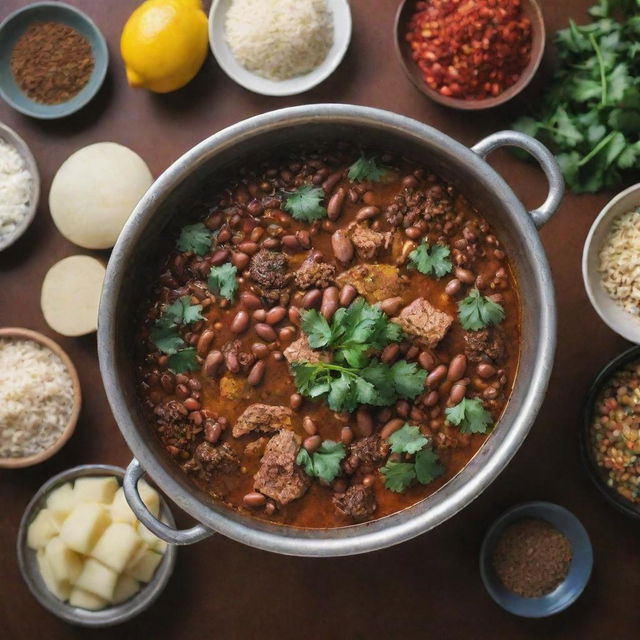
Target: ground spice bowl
[
  {"x": 15, "y": 24},
  {"x": 565, "y": 593}
]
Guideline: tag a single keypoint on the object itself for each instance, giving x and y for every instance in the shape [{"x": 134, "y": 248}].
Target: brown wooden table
[{"x": 427, "y": 588}]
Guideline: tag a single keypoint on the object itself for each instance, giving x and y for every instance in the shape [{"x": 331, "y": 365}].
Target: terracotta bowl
[
  {"x": 27, "y": 334},
  {"x": 530, "y": 9}
]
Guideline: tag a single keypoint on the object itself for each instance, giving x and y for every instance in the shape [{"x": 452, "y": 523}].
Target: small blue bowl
[
  {"x": 565, "y": 593},
  {"x": 16, "y": 24}
]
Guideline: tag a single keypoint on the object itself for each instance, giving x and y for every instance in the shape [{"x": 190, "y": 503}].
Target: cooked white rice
[
  {"x": 15, "y": 189},
  {"x": 620, "y": 262},
  {"x": 36, "y": 397}
]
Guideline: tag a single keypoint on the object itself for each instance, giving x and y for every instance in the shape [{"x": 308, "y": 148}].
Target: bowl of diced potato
[{"x": 83, "y": 553}]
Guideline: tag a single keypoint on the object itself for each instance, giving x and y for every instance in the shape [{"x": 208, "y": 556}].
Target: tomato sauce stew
[{"x": 330, "y": 340}]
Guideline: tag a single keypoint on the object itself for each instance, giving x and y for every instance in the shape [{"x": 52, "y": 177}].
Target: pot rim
[{"x": 391, "y": 529}]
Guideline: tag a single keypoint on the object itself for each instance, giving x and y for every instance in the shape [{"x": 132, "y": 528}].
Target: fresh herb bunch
[
  {"x": 476, "y": 311},
  {"x": 222, "y": 281},
  {"x": 323, "y": 463},
  {"x": 196, "y": 238},
  {"x": 470, "y": 415},
  {"x": 366, "y": 170},
  {"x": 590, "y": 115},
  {"x": 305, "y": 204},
  {"x": 431, "y": 261}
]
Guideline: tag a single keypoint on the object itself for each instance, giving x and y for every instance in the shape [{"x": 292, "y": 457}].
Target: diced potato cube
[
  {"x": 86, "y": 600},
  {"x": 151, "y": 539},
  {"x": 59, "y": 589},
  {"x": 142, "y": 549},
  {"x": 145, "y": 567},
  {"x": 84, "y": 525},
  {"x": 125, "y": 588},
  {"x": 97, "y": 579},
  {"x": 120, "y": 509},
  {"x": 99, "y": 489},
  {"x": 61, "y": 500},
  {"x": 150, "y": 497},
  {"x": 117, "y": 546},
  {"x": 42, "y": 528},
  {"x": 160, "y": 546},
  {"x": 65, "y": 563}
]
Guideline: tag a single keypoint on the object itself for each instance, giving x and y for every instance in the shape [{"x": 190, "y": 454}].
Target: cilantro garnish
[
  {"x": 428, "y": 466},
  {"x": 477, "y": 311},
  {"x": 398, "y": 476},
  {"x": 195, "y": 237},
  {"x": 470, "y": 415},
  {"x": 182, "y": 311},
  {"x": 305, "y": 204},
  {"x": 407, "y": 439},
  {"x": 365, "y": 169},
  {"x": 183, "y": 360},
  {"x": 323, "y": 463},
  {"x": 222, "y": 281},
  {"x": 432, "y": 261}
]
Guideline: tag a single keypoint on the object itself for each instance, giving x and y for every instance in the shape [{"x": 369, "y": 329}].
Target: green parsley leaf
[
  {"x": 408, "y": 379},
  {"x": 196, "y": 238},
  {"x": 182, "y": 311},
  {"x": 222, "y": 281},
  {"x": 476, "y": 311},
  {"x": 432, "y": 261},
  {"x": 407, "y": 439},
  {"x": 183, "y": 361},
  {"x": 305, "y": 204},
  {"x": 427, "y": 465},
  {"x": 470, "y": 415},
  {"x": 323, "y": 463},
  {"x": 165, "y": 333},
  {"x": 166, "y": 338},
  {"x": 365, "y": 170},
  {"x": 316, "y": 328},
  {"x": 398, "y": 476}
]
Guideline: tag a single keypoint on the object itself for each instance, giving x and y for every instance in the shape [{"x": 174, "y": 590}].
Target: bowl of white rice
[
  {"x": 19, "y": 186},
  {"x": 40, "y": 397},
  {"x": 611, "y": 264}
]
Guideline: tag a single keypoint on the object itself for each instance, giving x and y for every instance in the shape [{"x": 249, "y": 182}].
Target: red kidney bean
[
  {"x": 295, "y": 401},
  {"x": 275, "y": 315},
  {"x": 426, "y": 360},
  {"x": 182, "y": 391},
  {"x": 255, "y": 208},
  {"x": 195, "y": 417},
  {"x": 214, "y": 221},
  {"x": 383, "y": 415},
  {"x": 453, "y": 286},
  {"x": 204, "y": 342},
  {"x": 266, "y": 332},
  {"x": 366, "y": 213},
  {"x": 194, "y": 384},
  {"x": 458, "y": 391},
  {"x": 339, "y": 485},
  {"x": 410, "y": 182},
  {"x": 390, "y": 353},
  {"x": 304, "y": 239},
  {"x": 181, "y": 378},
  {"x": 271, "y": 243},
  {"x": 342, "y": 247},
  {"x": 369, "y": 480},
  {"x": 291, "y": 242},
  {"x": 490, "y": 393},
  {"x": 417, "y": 415},
  {"x": 331, "y": 181},
  {"x": 256, "y": 374},
  {"x": 249, "y": 300},
  {"x": 486, "y": 370},
  {"x": 309, "y": 426},
  {"x": 270, "y": 508},
  {"x": 437, "y": 375},
  {"x": 220, "y": 256},
  {"x": 248, "y": 247},
  {"x": 212, "y": 432},
  {"x": 224, "y": 235},
  {"x": 256, "y": 234},
  {"x": 457, "y": 367},
  {"x": 191, "y": 404},
  {"x": 348, "y": 294},
  {"x": 353, "y": 195},
  {"x": 432, "y": 399},
  {"x": 346, "y": 435},
  {"x": 294, "y": 316},
  {"x": 329, "y": 302},
  {"x": 312, "y": 443},
  {"x": 212, "y": 362},
  {"x": 412, "y": 352},
  {"x": 260, "y": 350},
  {"x": 414, "y": 233},
  {"x": 254, "y": 500},
  {"x": 240, "y": 260},
  {"x": 498, "y": 254},
  {"x": 240, "y": 322},
  {"x": 391, "y": 306},
  {"x": 364, "y": 421},
  {"x": 334, "y": 208},
  {"x": 312, "y": 298},
  {"x": 232, "y": 362},
  {"x": 464, "y": 275},
  {"x": 259, "y": 315},
  {"x": 403, "y": 408},
  {"x": 391, "y": 427},
  {"x": 286, "y": 335}
]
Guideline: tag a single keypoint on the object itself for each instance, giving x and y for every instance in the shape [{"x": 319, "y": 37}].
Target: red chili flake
[{"x": 470, "y": 49}]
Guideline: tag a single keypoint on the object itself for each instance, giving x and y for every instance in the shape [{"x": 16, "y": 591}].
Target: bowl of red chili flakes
[{"x": 471, "y": 55}]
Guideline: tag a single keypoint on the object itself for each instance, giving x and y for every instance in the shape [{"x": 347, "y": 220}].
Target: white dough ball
[{"x": 95, "y": 191}]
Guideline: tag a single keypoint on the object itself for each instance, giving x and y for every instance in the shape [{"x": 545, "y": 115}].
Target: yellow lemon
[{"x": 164, "y": 44}]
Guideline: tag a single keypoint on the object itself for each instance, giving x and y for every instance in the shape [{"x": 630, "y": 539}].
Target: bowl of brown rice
[
  {"x": 611, "y": 264},
  {"x": 40, "y": 398}
]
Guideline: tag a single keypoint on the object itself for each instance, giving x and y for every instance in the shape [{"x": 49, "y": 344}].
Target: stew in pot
[{"x": 331, "y": 341}]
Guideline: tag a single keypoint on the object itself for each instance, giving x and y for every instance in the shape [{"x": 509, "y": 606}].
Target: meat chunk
[
  {"x": 423, "y": 320},
  {"x": 367, "y": 241},
  {"x": 368, "y": 452},
  {"x": 300, "y": 351},
  {"x": 358, "y": 503},
  {"x": 314, "y": 272},
  {"x": 216, "y": 465},
  {"x": 374, "y": 282},
  {"x": 279, "y": 477},
  {"x": 485, "y": 345},
  {"x": 263, "y": 418},
  {"x": 268, "y": 270},
  {"x": 256, "y": 448}
]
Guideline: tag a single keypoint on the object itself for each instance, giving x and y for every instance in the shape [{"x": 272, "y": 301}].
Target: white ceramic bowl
[
  {"x": 253, "y": 82},
  {"x": 622, "y": 322}
]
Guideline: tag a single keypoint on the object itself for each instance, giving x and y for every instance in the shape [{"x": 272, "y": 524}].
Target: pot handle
[
  {"x": 546, "y": 159},
  {"x": 173, "y": 536}
]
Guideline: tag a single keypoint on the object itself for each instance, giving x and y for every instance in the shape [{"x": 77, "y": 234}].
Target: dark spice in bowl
[
  {"x": 52, "y": 62},
  {"x": 532, "y": 557}
]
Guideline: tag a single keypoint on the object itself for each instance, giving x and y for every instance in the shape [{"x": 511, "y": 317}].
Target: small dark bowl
[
  {"x": 596, "y": 473},
  {"x": 568, "y": 591},
  {"x": 531, "y": 10}
]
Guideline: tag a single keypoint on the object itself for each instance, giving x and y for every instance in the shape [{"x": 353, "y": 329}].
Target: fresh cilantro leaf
[
  {"x": 477, "y": 311},
  {"x": 222, "y": 281},
  {"x": 470, "y": 415},
  {"x": 305, "y": 204},
  {"x": 183, "y": 361},
  {"x": 316, "y": 328},
  {"x": 365, "y": 170},
  {"x": 408, "y": 379},
  {"x": 323, "y": 463},
  {"x": 165, "y": 334},
  {"x": 407, "y": 439},
  {"x": 196, "y": 238},
  {"x": 343, "y": 395},
  {"x": 432, "y": 261},
  {"x": 182, "y": 311},
  {"x": 166, "y": 338},
  {"x": 398, "y": 476},
  {"x": 427, "y": 465}
]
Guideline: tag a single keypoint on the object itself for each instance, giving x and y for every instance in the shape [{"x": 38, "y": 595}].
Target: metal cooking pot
[{"x": 243, "y": 143}]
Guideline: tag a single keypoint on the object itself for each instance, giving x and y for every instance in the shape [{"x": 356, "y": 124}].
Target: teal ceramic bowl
[{"x": 16, "y": 24}]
